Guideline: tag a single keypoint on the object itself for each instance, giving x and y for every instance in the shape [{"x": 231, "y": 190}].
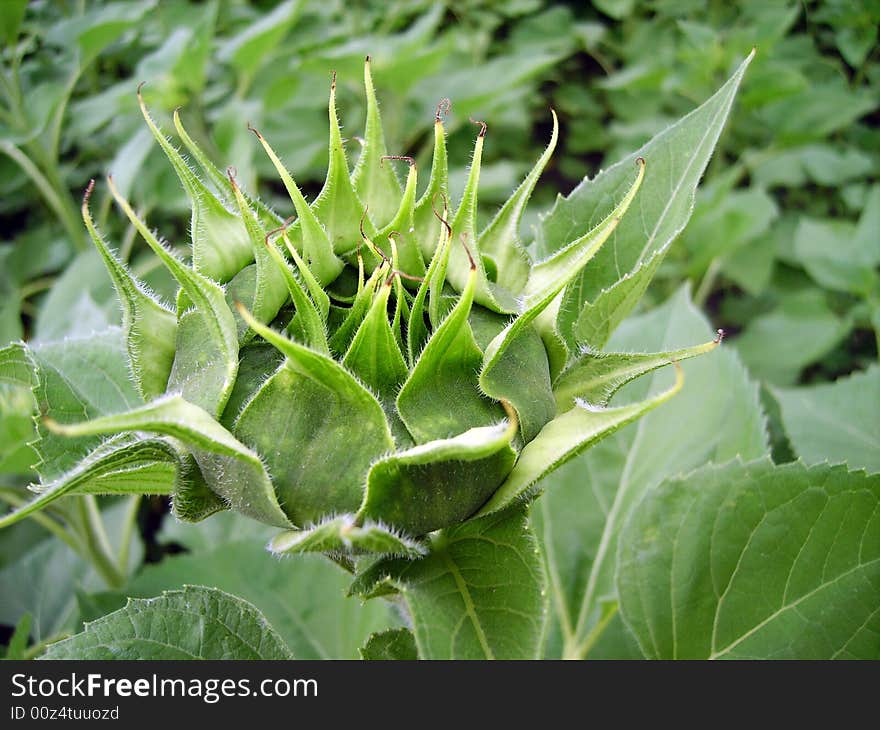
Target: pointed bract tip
[
  {"x": 443, "y": 108},
  {"x": 231, "y": 173},
  {"x": 253, "y": 129},
  {"x": 368, "y": 59},
  {"x": 139, "y": 87},
  {"x": 483, "y": 126},
  {"x": 88, "y": 193},
  {"x": 719, "y": 336},
  {"x": 333, "y": 81}
]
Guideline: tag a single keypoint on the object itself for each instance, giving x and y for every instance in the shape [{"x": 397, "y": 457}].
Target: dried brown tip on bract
[
  {"x": 253, "y": 129},
  {"x": 231, "y": 173},
  {"x": 139, "y": 87},
  {"x": 483, "y": 126},
  {"x": 280, "y": 229},
  {"x": 411, "y": 277},
  {"x": 640, "y": 161},
  {"x": 442, "y": 109},
  {"x": 468, "y": 251},
  {"x": 88, "y": 192},
  {"x": 368, "y": 59},
  {"x": 407, "y": 158},
  {"x": 512, "y": 415},
  {"x": 241, "y": 309},
  {"x": 719, "y": 336},
  {"x": 440, "y": 217},
  {"x": 332, "y": 80}
]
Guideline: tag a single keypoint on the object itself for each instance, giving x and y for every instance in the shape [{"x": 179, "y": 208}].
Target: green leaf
[
  {"x": 193, "y": 623},
  {"x": 302, "y": 597},
  {"x": 835, "y": 422},
  {"x": 599, "y": 318},
  {"x": 839, "y": 255},
  {"x": 97, "y": 28},
  {"x": 829, "y": 106},
  {"x": 317, "y": 428},
  {"x": 42, "y": 582},
  {"x": 439, "y": 483},
  {"x": 120, "y": 466},
  {"x": 755, "y": 561},
  {"x": 232, "y": 470},
  {"x": 677, "y": 158},
  {"x": 18, "y": 378},
  {"x": 479, "y": 594},
  {"x": 441, "y": 397},
  {"x": 248, "y": 49},
  {"x": 19, "y": 639},
  {"x": 390, "y": 645},
  {"x": 376, "y": 184},
  {"x": 11, "y": 15},
  {"x": 81, "y": 301},
  {"x": 776, "y": 346},
  {"x": 715, "y": 417},
  {"x": 150, "y": 328},
  {"x": 44, "y": 579},
  {"x": 78, "y": 379}
]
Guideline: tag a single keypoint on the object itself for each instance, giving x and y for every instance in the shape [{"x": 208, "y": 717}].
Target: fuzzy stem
[
  {"x": 98, "y": 546},
  {"x": 580, "y": 651},
  {"x": 128, "y": 528}
]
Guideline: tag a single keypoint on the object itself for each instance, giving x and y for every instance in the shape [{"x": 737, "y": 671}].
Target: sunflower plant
[{"x": 374, "y": 376}]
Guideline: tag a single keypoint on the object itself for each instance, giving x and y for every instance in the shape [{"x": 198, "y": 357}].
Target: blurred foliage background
[{"x": 782, "y": 250}]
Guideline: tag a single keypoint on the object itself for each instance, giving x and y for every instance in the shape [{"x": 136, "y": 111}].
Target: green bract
[{"x": 372, "y": 372}]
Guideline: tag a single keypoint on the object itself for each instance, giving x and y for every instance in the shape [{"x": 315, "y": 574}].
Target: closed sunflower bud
[{"x": 368, "y": 371}]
